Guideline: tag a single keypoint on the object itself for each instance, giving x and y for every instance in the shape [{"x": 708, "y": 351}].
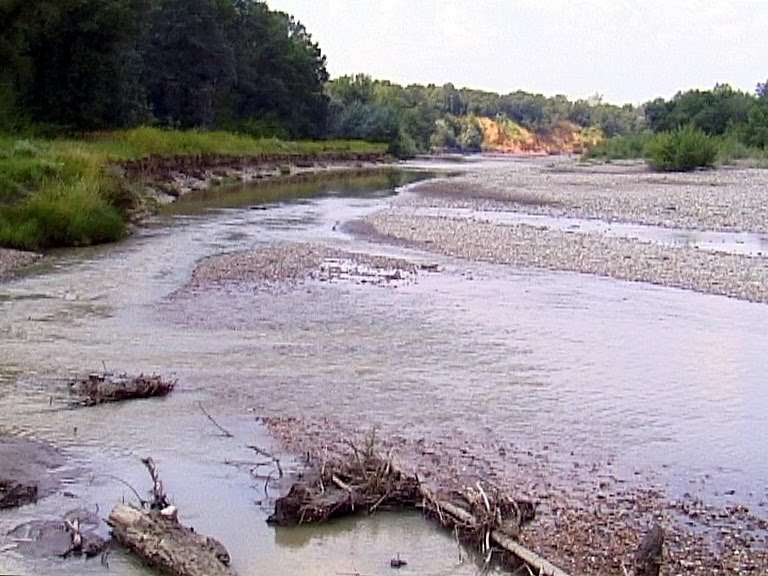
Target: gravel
[
  {"x": 722, "y": 200},
  {"x": 11, "y": 261},
  {"x": 285, "y": 265}
]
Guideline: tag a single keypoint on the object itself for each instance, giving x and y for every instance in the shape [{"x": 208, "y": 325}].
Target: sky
[{"x": 628, "y": 51}]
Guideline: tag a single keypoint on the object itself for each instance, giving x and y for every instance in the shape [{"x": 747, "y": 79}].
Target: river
[{"x": 654, "y": 386}]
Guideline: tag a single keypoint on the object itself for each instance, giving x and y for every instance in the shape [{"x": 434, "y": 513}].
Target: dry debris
[{"x": 99, "y": 388}]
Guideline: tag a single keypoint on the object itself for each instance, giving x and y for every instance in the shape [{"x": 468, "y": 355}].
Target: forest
[{"x": 74, "y": 66}]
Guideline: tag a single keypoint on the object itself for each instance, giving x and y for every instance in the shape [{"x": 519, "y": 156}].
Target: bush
[
  {"x": 683, "y": 150},
  {"x": 625, "y": 147}
]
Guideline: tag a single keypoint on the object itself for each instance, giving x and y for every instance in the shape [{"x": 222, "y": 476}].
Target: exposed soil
[{"x": 169, "y": 177}]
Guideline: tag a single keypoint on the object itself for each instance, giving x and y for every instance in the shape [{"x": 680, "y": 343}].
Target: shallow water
[
  {"x": 662, "y": 387},
  {"x": 740, "y": 243}
]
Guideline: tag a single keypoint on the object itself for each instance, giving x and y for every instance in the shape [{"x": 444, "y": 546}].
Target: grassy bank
[{"x": 68, "y": 193}]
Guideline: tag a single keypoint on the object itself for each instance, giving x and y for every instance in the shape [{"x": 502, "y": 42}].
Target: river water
[{"x": 658, "y": 386}]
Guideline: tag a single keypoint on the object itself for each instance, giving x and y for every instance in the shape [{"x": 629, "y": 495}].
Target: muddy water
[
  {"x": 660, "y": 387},
  {"x": 100, "y": 307}
]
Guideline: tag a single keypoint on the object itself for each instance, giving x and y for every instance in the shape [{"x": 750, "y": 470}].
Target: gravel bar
[{"x": 721, "y": 200}]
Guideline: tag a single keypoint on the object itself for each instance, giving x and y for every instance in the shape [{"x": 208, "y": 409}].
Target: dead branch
[
  {"x": 364, "y": 481},
  {"x": 223, "y": 430},
  {"x": 166, "y": 544},
  {"x": 269, "y": 455},
  {"x": 159, "y": 499}
]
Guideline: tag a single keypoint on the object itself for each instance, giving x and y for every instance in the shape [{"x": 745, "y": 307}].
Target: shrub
[
  {"x": 624, "y": 147},
  {"x": 683, "y": 150}
]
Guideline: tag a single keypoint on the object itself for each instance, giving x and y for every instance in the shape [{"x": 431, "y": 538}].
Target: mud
[{"x": 29, "y": 465}]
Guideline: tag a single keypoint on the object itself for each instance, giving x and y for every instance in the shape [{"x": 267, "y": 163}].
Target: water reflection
[
  {"x": 665, "y": 383},
  {"x": 378, "y": 184}
]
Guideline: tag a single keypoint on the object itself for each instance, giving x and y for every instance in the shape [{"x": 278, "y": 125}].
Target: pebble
[{"x": 719, "y": 200}]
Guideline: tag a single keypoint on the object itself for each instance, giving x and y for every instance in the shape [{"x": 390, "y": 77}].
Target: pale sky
[{"x": 626, "y": 50}]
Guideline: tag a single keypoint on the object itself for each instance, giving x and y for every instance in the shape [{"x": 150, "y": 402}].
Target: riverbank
[
  {"x": 648, "y": 222},
  {"x": 60, "y": 193}
]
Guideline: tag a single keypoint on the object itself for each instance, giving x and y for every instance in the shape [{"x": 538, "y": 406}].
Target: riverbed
[{"x": 613, "y": 399}]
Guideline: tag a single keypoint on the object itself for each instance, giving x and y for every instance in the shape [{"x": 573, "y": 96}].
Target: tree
[
  {"x": 189, "y": 64},
  {"x": 68, "y": 57}
]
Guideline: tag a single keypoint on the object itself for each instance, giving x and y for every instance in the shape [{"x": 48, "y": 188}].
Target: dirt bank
[{"x": 172, "y": 176}]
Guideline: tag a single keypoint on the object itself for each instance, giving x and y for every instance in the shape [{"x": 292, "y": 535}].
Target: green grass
[
  {"x": 625, "y": 147},
  {"x": 63, "y": 193}
]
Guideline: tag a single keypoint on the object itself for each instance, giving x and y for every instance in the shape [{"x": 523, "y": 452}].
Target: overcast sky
[{"x": 625, "y": 50}]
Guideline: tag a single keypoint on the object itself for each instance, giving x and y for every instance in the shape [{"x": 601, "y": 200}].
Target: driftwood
[
  {"x": 649, "y": 554},
  {"x": 485, "y": 519},
  {"x": 164, "y": 543},
  {"x": 157, "y": 537},
  {"x": 13, "y": 494},
  {"x": 104, "y": 387}
]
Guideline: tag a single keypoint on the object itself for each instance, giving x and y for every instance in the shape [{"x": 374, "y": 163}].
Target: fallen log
[
  {"x": 365, "y": 482},
  {"x": 99, "y": 388},
  {"x": 164, "y": 543},
  {"x": 158, "y": 538}
]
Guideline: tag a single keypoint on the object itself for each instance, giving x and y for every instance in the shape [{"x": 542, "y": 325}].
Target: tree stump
[{"x": 649, "y": 555}]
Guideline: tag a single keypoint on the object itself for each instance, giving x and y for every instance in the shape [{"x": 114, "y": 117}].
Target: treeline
[
  {"x": 420, "y": 118},
  {"x": 696, "y": 128},
  {"x": 83, "y": 65},
  {"x": 718, "y": 112}
]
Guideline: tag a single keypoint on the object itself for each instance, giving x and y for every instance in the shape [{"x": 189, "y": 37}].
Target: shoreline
[
  {"x": 164, "y": 180},
  {"x": 455, "y": 218}
]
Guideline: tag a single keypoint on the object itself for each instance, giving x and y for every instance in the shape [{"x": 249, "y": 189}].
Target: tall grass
[{"x": 62, "y": 192}]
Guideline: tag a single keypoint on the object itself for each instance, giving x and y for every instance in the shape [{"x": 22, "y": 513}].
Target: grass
[
  {"x": 624, "y": 147},
  {"x": 62, "y": 192}
]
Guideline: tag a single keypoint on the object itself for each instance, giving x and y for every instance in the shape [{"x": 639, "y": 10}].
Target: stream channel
[{"x": 658, "y": 386}]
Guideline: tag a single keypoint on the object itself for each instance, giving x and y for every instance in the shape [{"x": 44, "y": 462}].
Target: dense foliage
[
  {"x": 420, "y": 118},
  {"x": 681, "y": 150},
  {"x": 93, "y": 64}
]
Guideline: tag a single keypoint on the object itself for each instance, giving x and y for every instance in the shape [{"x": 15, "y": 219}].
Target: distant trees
[
  {"x": 419, "y": 118},
  {"x": 712, "y": 111},
  {"x": 92, "y": 64}
]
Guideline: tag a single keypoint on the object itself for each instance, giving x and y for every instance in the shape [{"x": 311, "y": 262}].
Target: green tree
[
  {"x": 67, "y": 60},
  {"x": 189, "y": 64}
]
